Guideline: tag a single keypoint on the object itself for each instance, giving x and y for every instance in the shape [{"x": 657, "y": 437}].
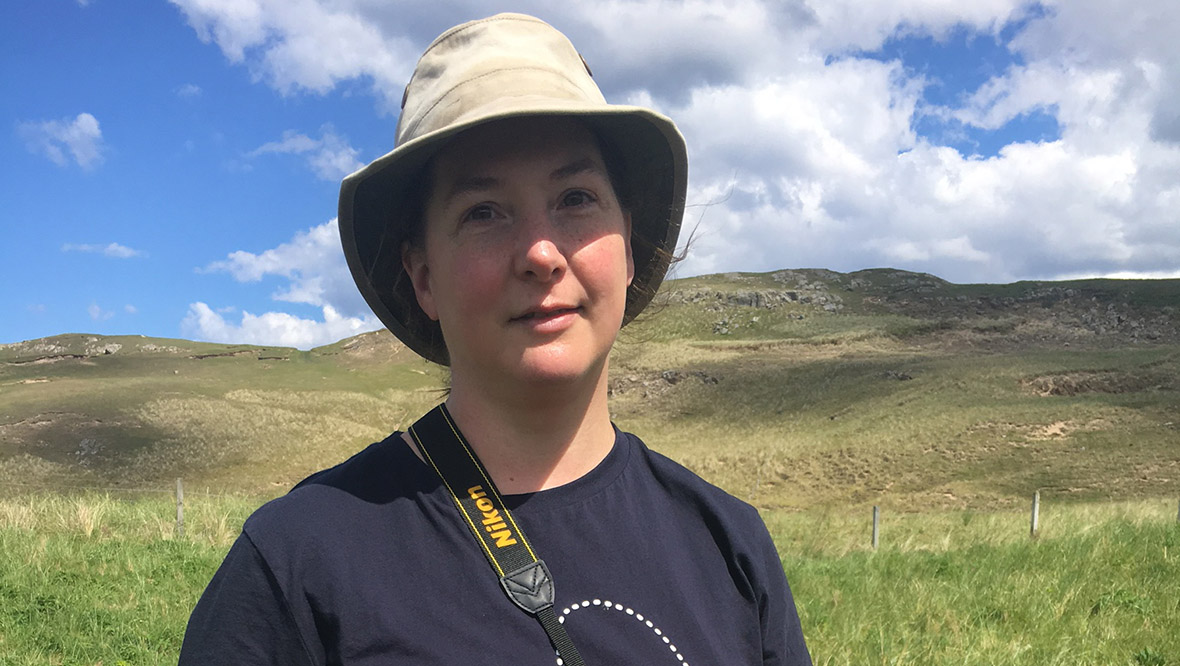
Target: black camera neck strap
[{"x": 523, "y": 576}]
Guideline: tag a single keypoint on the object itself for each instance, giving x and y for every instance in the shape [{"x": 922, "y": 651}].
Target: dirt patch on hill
[
  {"x": 68, "y": 438},
  {"x": 42, "y": 360},
  {"x": 1022, "y": 434},
  {"x": 652, "y": 384},
  {"x": 367, "y": 349},
  {"x": 226, "y": 354},
  {"x": 1101, "y": 381}
]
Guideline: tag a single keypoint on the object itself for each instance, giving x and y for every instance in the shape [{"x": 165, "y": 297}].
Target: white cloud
[
  {"x": 130, "y": 309},
  {"x": 305, "y": 45},
  {"x": 114, "y": 250},
  {"x": 97, "y": 313},
  {"x": 330, "y": 156},
  {"x": 803, "y": 150},
  {"x": 821, "y": 167},
  {"x": 291, "y": 143},
  {"x": 855, "y": 25},
  {"x": 188, "y": 91},
  {"x": 630, "y": 45},
  {"x": 1126, "y": 275},
  {"x": 80, "y": 137},
  {"x": 909, "y": 251},
  {"x": 314, "y": 272},
  {"x": 273, "y": 328},
  {"x": 313, "y": 265}
]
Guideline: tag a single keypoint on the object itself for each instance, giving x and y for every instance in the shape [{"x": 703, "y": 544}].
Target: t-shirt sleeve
[
  {"x": 243, "y": 617},
  {"x": 782, "y": 635}
]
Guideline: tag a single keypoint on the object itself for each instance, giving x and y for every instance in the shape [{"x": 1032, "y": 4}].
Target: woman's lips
[
  {"x": 547, "y": 312},
  {"x": 547, "y": 318}
]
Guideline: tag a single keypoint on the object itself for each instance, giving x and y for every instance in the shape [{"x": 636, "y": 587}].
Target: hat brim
[{"x": 373, "y": 207}]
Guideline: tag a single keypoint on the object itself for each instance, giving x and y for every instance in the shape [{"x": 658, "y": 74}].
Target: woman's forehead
[{"x": 484, "y": 150}]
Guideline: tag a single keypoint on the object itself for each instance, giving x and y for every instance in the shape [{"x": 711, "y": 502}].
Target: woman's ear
[{"x": 414, "y": 263}]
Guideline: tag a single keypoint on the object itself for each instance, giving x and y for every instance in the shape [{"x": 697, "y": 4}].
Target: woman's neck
[{"x": 531, "y": 440}]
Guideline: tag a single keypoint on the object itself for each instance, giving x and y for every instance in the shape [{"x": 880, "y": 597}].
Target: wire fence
[
  {"x": 184, "y": 496},
  {"x": 7, "y": 490}
]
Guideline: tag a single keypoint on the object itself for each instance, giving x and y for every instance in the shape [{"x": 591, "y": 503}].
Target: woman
[{"x": 517, "y": 225}]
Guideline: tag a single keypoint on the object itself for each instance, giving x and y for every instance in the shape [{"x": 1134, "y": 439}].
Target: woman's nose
[{"x": 540, "y": 256}]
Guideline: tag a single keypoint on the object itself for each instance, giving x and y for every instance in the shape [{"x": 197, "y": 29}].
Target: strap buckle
[{"x": 530, "y": 587}]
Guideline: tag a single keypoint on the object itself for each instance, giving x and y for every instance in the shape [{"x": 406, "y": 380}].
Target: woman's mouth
[
  {"x": 548, "y": 319},
  {"x": 543, "y": 314}
]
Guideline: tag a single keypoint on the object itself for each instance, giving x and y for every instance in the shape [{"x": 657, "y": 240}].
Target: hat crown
[{"x": 491, "y": 62}]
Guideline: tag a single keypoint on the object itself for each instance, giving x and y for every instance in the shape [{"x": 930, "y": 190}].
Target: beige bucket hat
[{"x": 506, "y": 66}]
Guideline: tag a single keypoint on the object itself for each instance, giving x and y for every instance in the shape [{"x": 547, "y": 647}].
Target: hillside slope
[{"x": 791, "y": 388}]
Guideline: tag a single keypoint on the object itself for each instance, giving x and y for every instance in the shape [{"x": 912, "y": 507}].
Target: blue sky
[{"x": 172, "y": 168}]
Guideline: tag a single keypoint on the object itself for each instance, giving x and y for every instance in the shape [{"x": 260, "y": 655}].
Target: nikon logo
[{"x": 492, "y": 522}]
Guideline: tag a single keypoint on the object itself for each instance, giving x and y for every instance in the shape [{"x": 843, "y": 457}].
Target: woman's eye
[
  {"x": 576, "y": 198},
  {"x": 480, "y": 213}
]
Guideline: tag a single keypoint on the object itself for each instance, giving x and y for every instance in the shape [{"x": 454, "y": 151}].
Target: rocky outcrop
[
  {"x": 714, "y": 299},
  {"x": 654, "y": 384}
]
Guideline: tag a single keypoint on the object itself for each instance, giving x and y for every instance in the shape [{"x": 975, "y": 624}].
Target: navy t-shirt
[{"x": 369, "y": 563}]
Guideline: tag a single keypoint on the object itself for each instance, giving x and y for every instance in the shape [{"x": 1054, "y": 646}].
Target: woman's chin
[{"x": 557, "y": 367}]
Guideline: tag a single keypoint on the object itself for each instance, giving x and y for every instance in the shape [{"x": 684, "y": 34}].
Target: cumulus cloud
[
  {"x": 114, "y": 250},
  {"x": 330, "y": 156},
  {"x": 805, "y": 146},
  {"x": 97, "y": 313},
  {"x": 188, "y": 91},
  {"x": 62, "y": 141},
  {"x": 313, "y": 271},
  {"x": 822, "y": 167},
  {"x": 306, "y": 45},
  {"x": 1127, "y": 275},
  {"x": 311, "y": 264},
  {"x": 273, "y": 328}
]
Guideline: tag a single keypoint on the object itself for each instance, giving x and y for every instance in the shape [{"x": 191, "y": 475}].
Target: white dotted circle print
[{"x": 610, "y": 606}]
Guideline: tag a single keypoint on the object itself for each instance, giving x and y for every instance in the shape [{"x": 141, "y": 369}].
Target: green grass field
[{"x": 95, "y": 580}]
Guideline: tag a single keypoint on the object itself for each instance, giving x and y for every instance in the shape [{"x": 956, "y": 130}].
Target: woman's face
[{"x": 526, "y": 255}]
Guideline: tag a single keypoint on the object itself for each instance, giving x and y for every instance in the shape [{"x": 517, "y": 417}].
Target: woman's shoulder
[
  {"x": 688, "y": 488},
  {"x": 692, "y": 505},
  {"x": 331, "y": 500}
]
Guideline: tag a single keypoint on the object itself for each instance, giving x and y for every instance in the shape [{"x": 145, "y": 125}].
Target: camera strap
[{"x": 523, "y": 575}]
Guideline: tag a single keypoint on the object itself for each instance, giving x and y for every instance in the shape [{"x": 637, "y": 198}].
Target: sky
[{"x": 172, "y": 168}]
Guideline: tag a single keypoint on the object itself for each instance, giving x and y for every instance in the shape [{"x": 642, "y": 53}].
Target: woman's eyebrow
[
  {"x": 578, "y": 166},
  {"x": 468, "y": 184}
]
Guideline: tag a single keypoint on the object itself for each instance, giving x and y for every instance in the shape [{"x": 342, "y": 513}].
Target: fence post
[
  {"x": 179, "y": 508},
  {"x": 1036, "y": 509},
  {"x": 876, "y": 525}
]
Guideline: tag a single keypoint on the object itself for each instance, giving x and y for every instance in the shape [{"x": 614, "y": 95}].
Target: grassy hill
[{"x": 791, "y": 389}]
